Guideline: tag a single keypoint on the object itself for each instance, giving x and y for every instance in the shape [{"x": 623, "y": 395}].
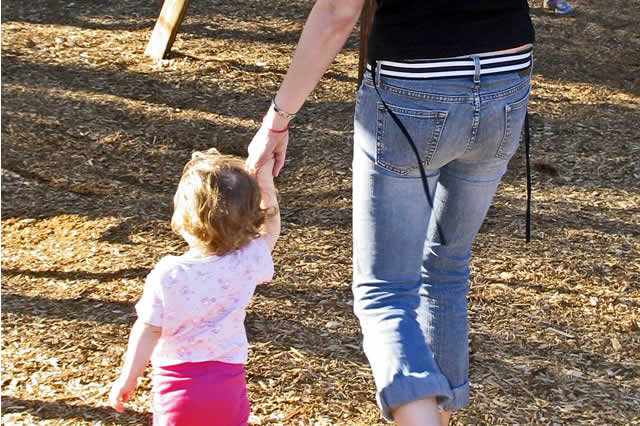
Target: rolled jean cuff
[
  {"x": 460, "y": 399},
  {"x": 405, "y": 389}
]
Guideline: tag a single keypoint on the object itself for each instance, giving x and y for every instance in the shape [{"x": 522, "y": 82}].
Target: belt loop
[
  {"x": 377, "y": 77},
  {"x": 476, "y": 75}
]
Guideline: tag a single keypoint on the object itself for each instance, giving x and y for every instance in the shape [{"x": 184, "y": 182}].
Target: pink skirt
[{"x": 207, "y": 393}]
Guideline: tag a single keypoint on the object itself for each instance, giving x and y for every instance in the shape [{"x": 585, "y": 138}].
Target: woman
[{"x": 447, "y": 83}]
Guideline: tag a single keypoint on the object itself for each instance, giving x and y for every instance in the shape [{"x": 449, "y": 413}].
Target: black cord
[
  {"x": 527, "y": 144},
  {"x": 423, "y": 174}
]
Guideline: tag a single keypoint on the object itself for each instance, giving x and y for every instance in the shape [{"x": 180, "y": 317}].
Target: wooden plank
[
  {"x": 166, "y": 28},
  {"x": 366, "y": 20}
]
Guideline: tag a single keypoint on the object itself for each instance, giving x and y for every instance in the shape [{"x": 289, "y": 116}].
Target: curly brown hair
[{"x": 217, "y": 202}]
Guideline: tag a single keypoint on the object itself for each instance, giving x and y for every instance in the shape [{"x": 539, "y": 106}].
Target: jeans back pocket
[
  {"x": 514, "y": 114},
  {"x": 393, "y": 150}
]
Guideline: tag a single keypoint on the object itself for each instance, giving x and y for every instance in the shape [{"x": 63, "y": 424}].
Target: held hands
[
  {"x": 269, "y": 142},
  {"x": 121, "y": 391},
  {"x": 264, "y": 175}
]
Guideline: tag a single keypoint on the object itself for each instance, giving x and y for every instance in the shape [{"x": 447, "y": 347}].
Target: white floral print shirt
[{"x": 200, "y": 304}]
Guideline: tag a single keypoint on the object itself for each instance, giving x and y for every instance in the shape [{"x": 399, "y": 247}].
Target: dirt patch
[{"x": 94, "y": 136}]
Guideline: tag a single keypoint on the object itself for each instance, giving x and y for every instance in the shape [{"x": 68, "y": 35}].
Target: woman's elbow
[{"x": 345, "y": 13}]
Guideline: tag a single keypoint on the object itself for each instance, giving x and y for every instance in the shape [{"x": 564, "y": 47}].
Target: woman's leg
[
  {"x": 390, "y": 217},
  {"x": 461, "y": 202},
  {"x": 462, "y": 198},
  {"x": 421, "y": 412}
]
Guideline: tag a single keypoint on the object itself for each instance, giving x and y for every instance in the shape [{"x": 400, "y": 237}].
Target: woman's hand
[
  {"x": 269, "y": 142},
  {"x": 327, "y": 28}
]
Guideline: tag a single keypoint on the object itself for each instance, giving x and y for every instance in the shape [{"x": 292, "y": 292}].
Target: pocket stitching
[
  {"x": 434, "y": 138},
  {"x": 508, "y": 128}
]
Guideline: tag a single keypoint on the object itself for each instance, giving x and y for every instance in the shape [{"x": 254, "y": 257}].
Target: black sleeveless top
[{"x": 419, "y": 29}]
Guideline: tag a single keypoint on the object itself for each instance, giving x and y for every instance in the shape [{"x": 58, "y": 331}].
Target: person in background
[
  {"x": 191, "y": 314},
  {"x": 561, "y": 7},
  {"x": 437, "y": 118}
]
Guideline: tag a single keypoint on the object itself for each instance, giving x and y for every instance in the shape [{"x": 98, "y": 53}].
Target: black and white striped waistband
[{"x": 456, "y": 67}]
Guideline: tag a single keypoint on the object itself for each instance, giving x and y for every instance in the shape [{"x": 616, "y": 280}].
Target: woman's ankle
[
  {"x": 445, "y": 416},
  {"x": 421, "y": 412}
]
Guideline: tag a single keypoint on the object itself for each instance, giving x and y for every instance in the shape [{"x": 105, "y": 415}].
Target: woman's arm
[
  {"x": 142, "y": 341},
  {"x": 327, "y": 28}
]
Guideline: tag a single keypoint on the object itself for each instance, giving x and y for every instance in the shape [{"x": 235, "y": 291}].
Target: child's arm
[
  {"x": 142, "y": 341},
  {"x": 271, "y": 228}
]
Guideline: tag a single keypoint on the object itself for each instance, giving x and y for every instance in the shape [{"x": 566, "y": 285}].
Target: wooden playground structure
[{"x": 173, "y": 12}]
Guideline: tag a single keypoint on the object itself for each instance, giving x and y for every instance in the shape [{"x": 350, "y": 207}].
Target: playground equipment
[
  {"x": 166, "y": 28},
  {"x": 173, "y": 12}
]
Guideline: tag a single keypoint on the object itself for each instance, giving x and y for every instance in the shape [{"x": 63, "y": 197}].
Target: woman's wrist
[
  {"x": 274, "y": 121},
  {"x": 287, "y": 114}
]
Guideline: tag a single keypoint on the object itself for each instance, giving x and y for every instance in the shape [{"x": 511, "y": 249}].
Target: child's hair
[{"x": 217, "y": 202}]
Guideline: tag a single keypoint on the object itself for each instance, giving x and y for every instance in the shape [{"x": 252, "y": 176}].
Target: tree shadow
[
  {"x": 122, "y": 15},
  {"x": 63, "y": 410},
  {"x": 196, "y": 94},
  {"x": 560, "y": 374},
  {"x": 78, "y": 309},
  {"x": 590, "y": 218},
  {"x": 261, "y": 327}
]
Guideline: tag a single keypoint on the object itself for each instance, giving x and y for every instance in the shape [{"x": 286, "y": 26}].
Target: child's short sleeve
[
  {"x": 150, "y": 306},
  {"x": 263, "y": 261}
]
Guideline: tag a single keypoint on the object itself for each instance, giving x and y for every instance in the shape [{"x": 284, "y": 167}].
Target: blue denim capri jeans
[{"x": 410, "y": 287}]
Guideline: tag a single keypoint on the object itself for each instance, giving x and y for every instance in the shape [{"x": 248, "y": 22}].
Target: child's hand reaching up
[
  {"x": 264, "y": 175},
  {"x": 271, "y": 228}
]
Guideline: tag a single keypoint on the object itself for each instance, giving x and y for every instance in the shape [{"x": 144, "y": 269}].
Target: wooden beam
[
  {"x": 166, "y": 28},
  {"x": 366, "y": 20}
]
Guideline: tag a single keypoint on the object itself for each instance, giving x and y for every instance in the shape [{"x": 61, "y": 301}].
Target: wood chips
[{"x": 95, "y": 135}]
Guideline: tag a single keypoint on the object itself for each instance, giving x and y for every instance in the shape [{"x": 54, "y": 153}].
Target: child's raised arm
[
  {"x": 142, "y": 341},
  {"x": 271, "y": 228}
]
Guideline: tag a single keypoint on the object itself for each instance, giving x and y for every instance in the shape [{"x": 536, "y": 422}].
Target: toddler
[{"x": 191, "y": 314}]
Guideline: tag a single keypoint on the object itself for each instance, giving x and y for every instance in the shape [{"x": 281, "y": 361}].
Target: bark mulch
[{"x": 94, "y": 136}]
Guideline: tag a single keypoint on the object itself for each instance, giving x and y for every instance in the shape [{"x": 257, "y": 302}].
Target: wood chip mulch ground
[{"x": 94, "y": 136}]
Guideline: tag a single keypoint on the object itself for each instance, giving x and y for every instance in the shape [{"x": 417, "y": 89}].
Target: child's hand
[
  {"x": 120, "y": 393},
  {"x": 264, "y": 175}
]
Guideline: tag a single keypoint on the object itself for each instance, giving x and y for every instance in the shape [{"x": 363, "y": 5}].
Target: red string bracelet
[{"x": 274, "y": 130}]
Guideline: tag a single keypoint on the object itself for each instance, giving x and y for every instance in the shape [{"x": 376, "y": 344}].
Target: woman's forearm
[{"x": 327, "y": 28}]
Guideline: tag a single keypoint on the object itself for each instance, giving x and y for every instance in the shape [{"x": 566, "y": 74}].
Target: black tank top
[{"x": 419, "y": 29}]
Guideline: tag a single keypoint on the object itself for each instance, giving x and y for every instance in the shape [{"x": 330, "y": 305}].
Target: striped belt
[{"x": 456, "y": 67}]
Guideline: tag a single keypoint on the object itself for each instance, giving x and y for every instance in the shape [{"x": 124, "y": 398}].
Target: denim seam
[
  {"x": 522, "y": 103},
  {"x": 460, "y": 398},
  {"x": 446, "y": 99},
  {"x": 504, "y": 93},
  {"x": 476, "y": 119},
  {"x": 419, "y": 95},
  {"x": 425, "y": 96}
]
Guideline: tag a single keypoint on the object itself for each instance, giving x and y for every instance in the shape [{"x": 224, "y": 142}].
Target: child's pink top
[{"x": 200, "y": 304}]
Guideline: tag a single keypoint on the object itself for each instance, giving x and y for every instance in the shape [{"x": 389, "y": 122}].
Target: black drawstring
[
  {"x": 423, "y": 174},
  {"x": 527, "y": 144}
]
